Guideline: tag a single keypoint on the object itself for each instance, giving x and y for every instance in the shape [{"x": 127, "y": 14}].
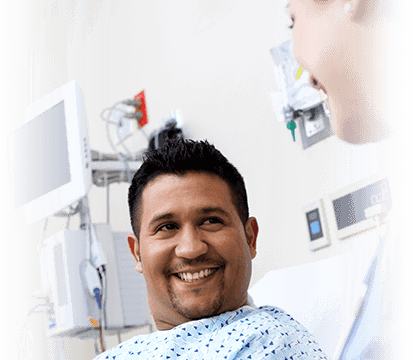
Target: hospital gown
[{"x": 247, "y": 333}]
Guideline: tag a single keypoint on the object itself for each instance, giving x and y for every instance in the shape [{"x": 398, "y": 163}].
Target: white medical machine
[
  {"x": 88, "y": 275},
  {"x": 64, "y": 265},
  {"x": 50, "y": 161}
]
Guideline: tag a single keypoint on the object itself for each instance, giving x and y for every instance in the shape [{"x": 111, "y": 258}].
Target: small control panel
[
  {"x": 317, "y": 225},
  {"x": 356, "y": 207},
  {"x": 314, "y": 224}
]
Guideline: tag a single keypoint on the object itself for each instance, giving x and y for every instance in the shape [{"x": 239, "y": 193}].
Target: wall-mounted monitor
[
  {"x": 50, "y": 161},
  {"x": 353, "y": 208}
]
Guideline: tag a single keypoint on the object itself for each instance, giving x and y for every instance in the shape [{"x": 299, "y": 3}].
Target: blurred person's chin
[{"x": 358, "y": 123}]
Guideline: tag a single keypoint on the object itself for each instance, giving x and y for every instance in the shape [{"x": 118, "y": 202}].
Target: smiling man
[{"x": 194, "y": 241}]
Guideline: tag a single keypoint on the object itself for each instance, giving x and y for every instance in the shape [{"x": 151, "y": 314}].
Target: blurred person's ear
[{"x": 367, "y": 10}]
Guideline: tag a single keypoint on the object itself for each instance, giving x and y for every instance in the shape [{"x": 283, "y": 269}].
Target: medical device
[
  {"x": 319, "y": 234},
  {"x": 297, "y": 100},
  {"x": 170, "y": 130},
  {"x": 299, "y": 94},
  {"x": 64, "y": 264},
  {"x": 122, "y": 114},
  {"x": 355, "y": 208},
  {"x": 89, "y": 282},
  {"x": 50, "y": 163},
  {"x": 314, "y": 125}
]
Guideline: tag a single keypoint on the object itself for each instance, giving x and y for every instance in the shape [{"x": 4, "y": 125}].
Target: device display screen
[
  {"x": 349, "y": 209},
  {"x": 314, "y": 224},
  {"x": 45, "y": 157}
]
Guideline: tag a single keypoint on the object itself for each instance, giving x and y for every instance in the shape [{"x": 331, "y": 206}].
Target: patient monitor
[{"x": 50, "y": 162}]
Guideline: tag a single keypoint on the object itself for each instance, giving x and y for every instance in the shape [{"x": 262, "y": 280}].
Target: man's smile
[{"x": 196, "y": 276}]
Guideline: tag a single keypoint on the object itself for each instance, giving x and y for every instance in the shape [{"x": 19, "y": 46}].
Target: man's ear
[
  {"x": 251, "y": 230},
  {"x": 134, "y": 249}
]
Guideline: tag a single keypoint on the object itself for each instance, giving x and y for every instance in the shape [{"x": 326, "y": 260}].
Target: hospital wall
[{"x": 209, "y": 59}]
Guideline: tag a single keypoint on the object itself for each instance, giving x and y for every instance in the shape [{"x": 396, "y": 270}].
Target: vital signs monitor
[{"x": 50, "y": 161}]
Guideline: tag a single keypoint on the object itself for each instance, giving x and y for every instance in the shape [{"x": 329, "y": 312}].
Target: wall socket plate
[{"x": 317, "y": 129}]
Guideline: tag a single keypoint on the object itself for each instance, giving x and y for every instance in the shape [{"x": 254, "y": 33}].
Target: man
[{"x": 193, "y": 241}]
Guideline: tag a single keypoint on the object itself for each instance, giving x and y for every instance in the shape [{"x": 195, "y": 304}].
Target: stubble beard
[{"x": 201, "y": 311}]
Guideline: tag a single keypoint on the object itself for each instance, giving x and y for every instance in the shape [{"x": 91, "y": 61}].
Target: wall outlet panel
[{"x": 325, "y": 129}]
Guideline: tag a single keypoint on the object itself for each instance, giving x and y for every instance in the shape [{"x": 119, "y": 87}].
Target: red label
[{"x": 144, "y": 120}]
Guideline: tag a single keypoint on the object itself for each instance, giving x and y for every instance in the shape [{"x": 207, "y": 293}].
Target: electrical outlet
[{"x": 314, "y": 126}]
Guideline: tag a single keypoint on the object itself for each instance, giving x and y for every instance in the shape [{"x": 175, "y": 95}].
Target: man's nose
[{"x": 191, "y": 243}]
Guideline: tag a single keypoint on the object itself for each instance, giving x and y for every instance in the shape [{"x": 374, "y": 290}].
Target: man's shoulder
[
  {"x": 266, "y": 322},
  {"x": 266, "y": 314},
  {"x": 125, "y": 347},
  {"x": 247, "y": 332},
  {"x": 274, "y": 315}
]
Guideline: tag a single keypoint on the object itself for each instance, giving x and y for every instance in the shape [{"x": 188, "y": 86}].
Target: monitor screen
[
  {"x": 49, "y": 155},
  {"x": 42, "y": 142}
]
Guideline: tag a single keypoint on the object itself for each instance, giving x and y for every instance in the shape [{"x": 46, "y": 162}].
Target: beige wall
[{"x": 211, "y": 60}]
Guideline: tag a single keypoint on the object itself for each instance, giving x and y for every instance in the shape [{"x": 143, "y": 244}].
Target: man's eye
[
  {"x": 167, "y": 227},
  {"x": 211, "y": 221}
]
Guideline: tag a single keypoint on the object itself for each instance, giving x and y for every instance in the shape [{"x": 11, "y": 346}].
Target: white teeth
[{"x": 189, "y": 277}]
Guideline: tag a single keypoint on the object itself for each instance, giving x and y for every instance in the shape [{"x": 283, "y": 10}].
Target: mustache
[{"x": 183, "y": 263}]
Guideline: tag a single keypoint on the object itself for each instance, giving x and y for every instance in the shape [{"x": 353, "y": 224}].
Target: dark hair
[{"x": 179, "y": 156}]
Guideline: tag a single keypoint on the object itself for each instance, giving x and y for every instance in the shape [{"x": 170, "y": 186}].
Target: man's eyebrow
[
  {"x": 214, "y": 209},
  {"x": 203, "y": 211},
  {"x": 159, "y": 217}
]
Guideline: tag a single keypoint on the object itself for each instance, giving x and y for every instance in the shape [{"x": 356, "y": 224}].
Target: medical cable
[
  {"x": 108, "y": 131},
  {"x": 46, "y": 221},
  {"x": 108, "y": 109},
  {"x": 98, "y": 261},
  {"x": 32, "y": 311},
  {"x": 108, "y": 121},
  {"x": 122, "y": 143},
  {"x": 103, "y": 309}
]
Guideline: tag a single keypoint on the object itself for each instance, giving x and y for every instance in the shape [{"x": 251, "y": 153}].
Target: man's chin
[{"x": 199, "y": 309}]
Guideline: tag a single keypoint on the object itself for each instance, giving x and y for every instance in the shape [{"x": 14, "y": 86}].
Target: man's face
[
  {"x": 334, "y": 50},
  {"x": 195, "y": 252}
]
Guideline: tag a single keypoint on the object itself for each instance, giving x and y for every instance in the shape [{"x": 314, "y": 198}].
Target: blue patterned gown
[{"x": 247, "y": 333}]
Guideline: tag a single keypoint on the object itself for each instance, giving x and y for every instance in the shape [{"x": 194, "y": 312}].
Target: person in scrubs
[{"x": 348, "y": 48}]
